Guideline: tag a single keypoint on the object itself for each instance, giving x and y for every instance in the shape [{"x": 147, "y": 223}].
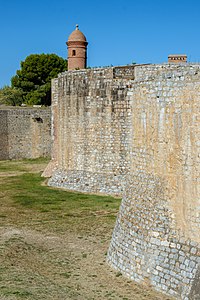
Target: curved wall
[
  {"x": 134, "y": 131},
  {"x": 156, "y": 238}
]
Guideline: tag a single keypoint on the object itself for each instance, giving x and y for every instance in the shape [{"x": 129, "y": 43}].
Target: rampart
[
  {"x": 134, "y": 131},
  {"x": 25, "y": 133}
]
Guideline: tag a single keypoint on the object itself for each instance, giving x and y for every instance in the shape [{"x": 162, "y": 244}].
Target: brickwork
[
  {"x": 77, "y": 50},
  {"x": 135, "y": 132},
  {"x": 25, "y": 133},
  {"x": 177, "y": 58}
]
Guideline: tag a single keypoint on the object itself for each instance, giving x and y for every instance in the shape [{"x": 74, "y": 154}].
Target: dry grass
[{"x": 53, "y": 243}]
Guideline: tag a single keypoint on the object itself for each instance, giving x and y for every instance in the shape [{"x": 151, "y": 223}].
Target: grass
[
  {"x": 53, "y": 243},
  {"x": 29, "y": 192},
  {"x": 26, "y": 192},
  {"x": 21, "y": 165}
]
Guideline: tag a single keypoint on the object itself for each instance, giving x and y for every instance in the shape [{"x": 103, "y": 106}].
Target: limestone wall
[
  {"x": 157, "y": 235},
  {"x": 91, "y": 128},
  {"x": 3, "y": 135},
  {"x": 135, "y": 132},
  {"x": 25, "y": 133}
]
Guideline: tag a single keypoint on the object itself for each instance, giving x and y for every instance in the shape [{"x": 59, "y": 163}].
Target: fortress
[{"x": 134, "y": 132}]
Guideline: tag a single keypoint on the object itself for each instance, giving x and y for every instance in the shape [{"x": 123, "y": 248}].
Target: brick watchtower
[{"x": 77, "y": 50}]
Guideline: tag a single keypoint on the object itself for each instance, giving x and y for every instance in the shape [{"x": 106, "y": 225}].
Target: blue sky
[{"x": 118, "y": 32}]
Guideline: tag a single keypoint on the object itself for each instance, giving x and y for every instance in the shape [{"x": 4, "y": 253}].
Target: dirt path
[{"x": 47, "y": 266}]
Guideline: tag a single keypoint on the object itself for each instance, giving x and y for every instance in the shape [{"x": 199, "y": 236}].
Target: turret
[{"x": 77, "y": 50}]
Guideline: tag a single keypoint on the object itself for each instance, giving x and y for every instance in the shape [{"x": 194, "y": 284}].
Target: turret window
[{"x": 73, "y": 52}]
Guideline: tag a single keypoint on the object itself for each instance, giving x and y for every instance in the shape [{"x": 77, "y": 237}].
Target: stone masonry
[
  {"x": 91, "y": 123},
  {"x": 134, "y": 131},
  {"x": 25, "y": 133}
]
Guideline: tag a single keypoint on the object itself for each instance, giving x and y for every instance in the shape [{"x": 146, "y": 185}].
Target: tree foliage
[
  {"x": 11, "y": 96},
  {"x": 34, "y": 77}
]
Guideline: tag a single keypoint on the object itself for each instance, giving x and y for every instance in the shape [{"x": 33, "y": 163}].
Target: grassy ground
[{"x": 53, "y": 243}]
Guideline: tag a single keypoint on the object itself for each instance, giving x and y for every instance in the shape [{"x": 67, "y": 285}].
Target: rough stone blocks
[{"x": 135, "y": 132}]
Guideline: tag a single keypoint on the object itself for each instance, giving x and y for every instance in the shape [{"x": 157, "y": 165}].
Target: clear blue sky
[{"x": 118, "y": 32}]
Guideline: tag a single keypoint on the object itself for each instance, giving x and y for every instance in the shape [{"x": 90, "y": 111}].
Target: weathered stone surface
[
  {"x": 195, "y": 290},
  {"x": 25, "y": 133},
  {"x": 136, "y": 133},
  {"x": 91, "y": 125}
]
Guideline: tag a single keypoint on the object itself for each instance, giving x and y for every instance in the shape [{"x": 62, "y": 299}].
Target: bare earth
[{"x": 47, "y": 259}]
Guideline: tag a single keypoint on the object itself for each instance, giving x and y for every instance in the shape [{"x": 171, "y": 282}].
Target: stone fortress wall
[
  {"x": 134, "y": 131},
  {"x": 91, "y": 124},
  {"x": 25, "y": 133}
]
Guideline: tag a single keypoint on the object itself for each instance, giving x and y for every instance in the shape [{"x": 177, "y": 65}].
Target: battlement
[
  {"x": 137, "y": 72},
  {"x": 177, "y": 58}
]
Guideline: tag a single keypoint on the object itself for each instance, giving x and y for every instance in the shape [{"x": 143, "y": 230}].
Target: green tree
[
  {"x": 34, "y": 77},
  {"x": 11, "y": 96}
]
